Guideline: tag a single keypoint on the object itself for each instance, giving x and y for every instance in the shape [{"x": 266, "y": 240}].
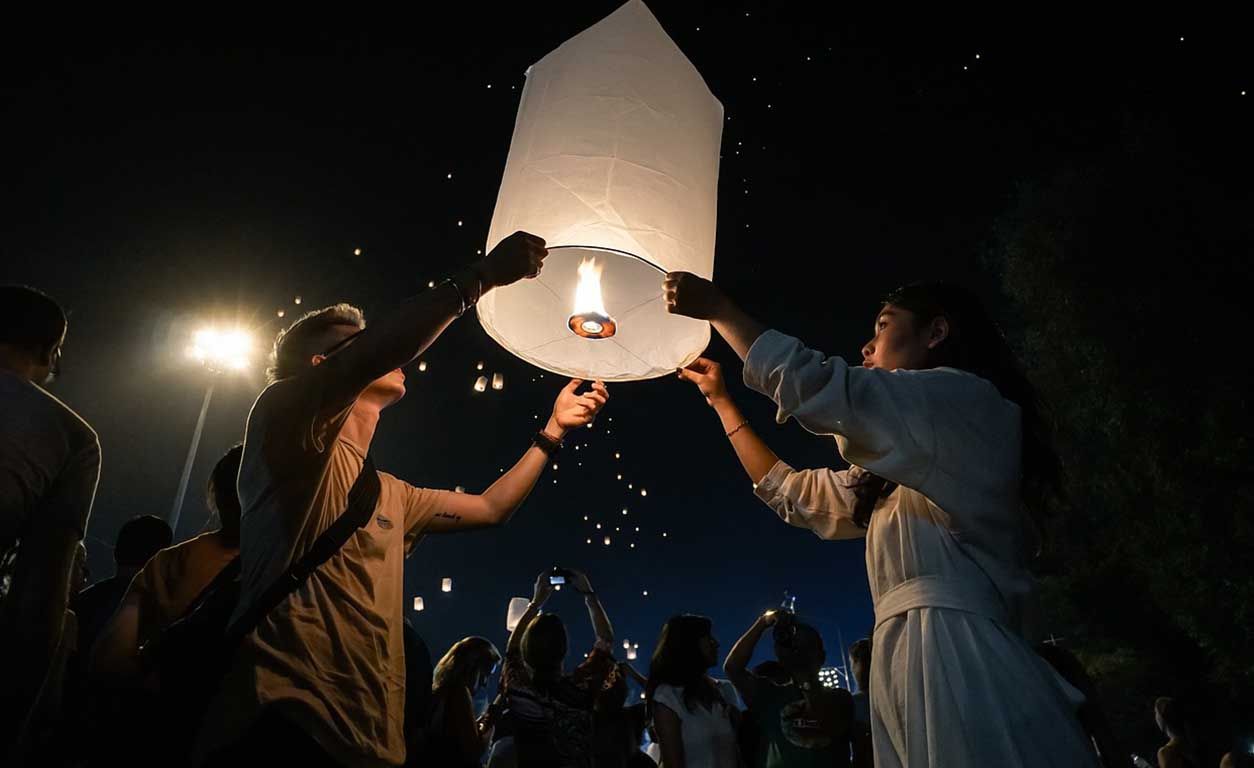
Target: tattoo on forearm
[{"x": 448, "y": 515}]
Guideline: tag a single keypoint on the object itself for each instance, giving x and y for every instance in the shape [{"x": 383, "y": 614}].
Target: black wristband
[{"x": 546, "y": 442}]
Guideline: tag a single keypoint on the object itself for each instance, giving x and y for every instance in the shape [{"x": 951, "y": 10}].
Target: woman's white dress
[{"x": 954, "y": 680}]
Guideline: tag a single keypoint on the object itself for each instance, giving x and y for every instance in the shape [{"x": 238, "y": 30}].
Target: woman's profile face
[
  {"x": 896, "y": 344},
  {"x": 709, "y": 649}
]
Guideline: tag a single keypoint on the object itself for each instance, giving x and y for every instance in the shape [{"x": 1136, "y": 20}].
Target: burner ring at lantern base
[{"x": 593, "y": 325}]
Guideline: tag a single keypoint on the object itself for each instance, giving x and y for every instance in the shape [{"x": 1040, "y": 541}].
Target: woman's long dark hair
[
  {"x": 544, "y": 645},
  {"x": 678, "y": 662},
  {"x": 975, "y": 344}
]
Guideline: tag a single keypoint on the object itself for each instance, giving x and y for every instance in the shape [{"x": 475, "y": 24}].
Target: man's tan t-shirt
[
  {"x": 175, "y": 577},
  {"x": 330, "y": 658}
]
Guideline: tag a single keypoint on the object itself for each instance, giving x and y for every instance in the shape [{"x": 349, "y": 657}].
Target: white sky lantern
[
  {"x": 614, "y": 162},
  {"x": 498, "y": 381},
  {"x": 418, "y": 604},
  {"x": 631, "y": 654},
  {"x": 481, "y": 383},
  {"x": 446, "y": 585},
  {"x": 517, "y": 607}
]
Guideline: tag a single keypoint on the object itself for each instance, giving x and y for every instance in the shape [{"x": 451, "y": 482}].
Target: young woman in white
[
  {"x": 694, "y": 715},
  {"x": 947, "y": 456}
]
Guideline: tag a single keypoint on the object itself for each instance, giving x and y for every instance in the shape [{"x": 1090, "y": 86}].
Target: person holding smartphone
[{"x": 552, "y": 710}]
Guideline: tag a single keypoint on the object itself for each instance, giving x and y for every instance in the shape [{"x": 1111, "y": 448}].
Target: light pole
[{"x": 217, "y": 352}]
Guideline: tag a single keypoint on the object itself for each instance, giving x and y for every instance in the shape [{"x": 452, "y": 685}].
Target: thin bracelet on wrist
[{"x": 738, "y": 427}]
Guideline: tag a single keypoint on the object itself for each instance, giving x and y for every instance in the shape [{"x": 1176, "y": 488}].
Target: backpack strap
[{"x": 362, "y": 499}]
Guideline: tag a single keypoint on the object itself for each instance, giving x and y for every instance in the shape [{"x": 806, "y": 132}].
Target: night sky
[{"x": 216, "y": 170}]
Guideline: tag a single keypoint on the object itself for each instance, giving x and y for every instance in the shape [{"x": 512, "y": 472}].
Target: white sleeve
[
  {"x": 821, "y": 500},
  {"x": 728, "y": 691},
  {"x": 882, "y": 419},
  {"x": 669, "y": 695}
]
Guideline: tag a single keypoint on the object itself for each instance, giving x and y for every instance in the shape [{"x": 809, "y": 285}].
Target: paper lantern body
[
  {"x": 446, "y": 585},
  {"x": 614, "y": 158},
  {"x": 517, "y": 607}
]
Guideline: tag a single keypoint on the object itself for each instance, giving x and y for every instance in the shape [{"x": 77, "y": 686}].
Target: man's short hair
[
  {"x": 139, "y": 539},
  {"x": 310, "y": 335},
  {"x": 33, "y": 321},
  {"x": 860, "y": 651}
]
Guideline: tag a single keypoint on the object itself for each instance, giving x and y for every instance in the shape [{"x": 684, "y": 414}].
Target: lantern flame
[{"x": 589, "y": 318}]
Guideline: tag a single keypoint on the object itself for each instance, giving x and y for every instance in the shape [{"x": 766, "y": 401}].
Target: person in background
[
  {"x": 455, "y": 737},
  {"x": 695, "y": 717},
  {"x": 618, "y": 729},
  {"x": 860, "y": 735},
  {"x": 170, "y": 582},
  {"x": 802, "y": 723},
  {"x": 1181, "y": 749},
  {"x": 139, "y": 539},
  {"x": 49, "y": 466},
  {"x": 551, "y": 711}
]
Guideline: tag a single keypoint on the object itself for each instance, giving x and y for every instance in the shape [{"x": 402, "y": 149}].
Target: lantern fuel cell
[{"x": 614, "y": 162}]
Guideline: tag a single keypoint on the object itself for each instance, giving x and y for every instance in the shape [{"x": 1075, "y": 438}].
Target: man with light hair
[{"x": 321, "y": 680}]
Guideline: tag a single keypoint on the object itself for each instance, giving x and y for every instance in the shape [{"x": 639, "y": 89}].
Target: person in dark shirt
[
  {"x": 801, "y": 723},
  {"x": 138, "y": 540}
]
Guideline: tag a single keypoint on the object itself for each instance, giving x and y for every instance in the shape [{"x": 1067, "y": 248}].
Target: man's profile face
[{"x": 387, "y": 389}]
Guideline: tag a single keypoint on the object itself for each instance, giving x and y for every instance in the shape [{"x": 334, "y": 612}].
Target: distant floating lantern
[
  {"x": 281, "y": 313},
  {"x": 624, "y": 511},
  {"x": 631, "y": 654},
  {"x": 446, "y": 585},
  {"x": 422, "y": 365},
  {"x": 418, "y": 604},
  {"x": 479, "y": 366},
  {"x": 607, "y": 540},
  {"x": 646, "y": 593},
  {"x": 481, "y": 383},
  {"x": 626, "y": 645},
  {"x": 643, "y": 492},
  {"x": 614, "y": 162},
  {"x": 514, "y": 614},
  {"x": 498, "y": 381},
  {"x": 296, "y": 300},
  {"x": 356, "y": 251}
]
